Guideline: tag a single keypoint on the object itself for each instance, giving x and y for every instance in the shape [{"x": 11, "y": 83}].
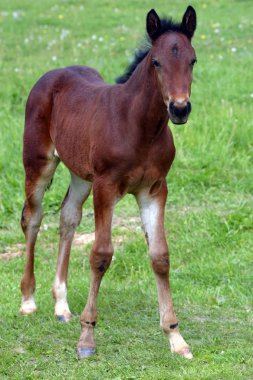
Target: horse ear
[
  {"x": 153, "y": 24},
  {"x": 189, "y": 22}
]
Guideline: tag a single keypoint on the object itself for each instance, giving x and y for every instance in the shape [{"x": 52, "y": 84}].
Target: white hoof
[
  {"x": 185, "y": 352},
  {"x": 179, "y": 346},
  {"x": 62, "y": 311},
  {"x": 28, "y": 306}
]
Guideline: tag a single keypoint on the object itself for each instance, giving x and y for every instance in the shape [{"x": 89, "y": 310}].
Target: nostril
[
  {"x": 189, "y": 107},
  {"x": 172, "y": 107}
]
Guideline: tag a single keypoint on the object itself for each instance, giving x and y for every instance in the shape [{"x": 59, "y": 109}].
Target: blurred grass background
[{"x": 209, "y": 211}]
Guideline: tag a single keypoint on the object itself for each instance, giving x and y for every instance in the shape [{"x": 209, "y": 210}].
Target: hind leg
[
  {"x": 38, "y": 177},
  {"x": 71, "y": 216}
]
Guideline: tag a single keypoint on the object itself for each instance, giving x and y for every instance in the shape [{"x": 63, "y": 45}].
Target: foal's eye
[
  {"x": 193, "y": 62},
  {"x": 156, "y": 63}
]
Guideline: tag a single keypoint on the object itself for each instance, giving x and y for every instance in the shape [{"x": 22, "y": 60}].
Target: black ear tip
[
  {"x": 152, "y": 12},
  {"x": 190, "y": 9}
]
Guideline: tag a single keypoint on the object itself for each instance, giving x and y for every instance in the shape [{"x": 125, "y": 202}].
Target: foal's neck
[{"x": 148, "y": 107}]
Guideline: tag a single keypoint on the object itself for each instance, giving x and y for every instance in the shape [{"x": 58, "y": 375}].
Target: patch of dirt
[
  {"x": 10, "y": 255},
  {"x": 127, "y": 223},
  {"x": 132, "y": 223},
  {"x": 12, "y": 252},
  {"x": 83, "y": 239}
]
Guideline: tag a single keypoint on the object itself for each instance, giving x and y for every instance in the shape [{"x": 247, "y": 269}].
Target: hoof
[
  {"x": 185, "y": 352},
  {"x": 62, "y": 312},
  {"x": 63, "y": 318},
  {"x": 28, "y": 306},
  {"x": 179, "y": 346},
  {"x": 27, "y": 311},
  {"x": 85, "y": 352}
]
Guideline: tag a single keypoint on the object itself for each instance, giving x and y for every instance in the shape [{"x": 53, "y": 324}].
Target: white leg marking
[
  {"x": 149, "y": 214},
  {"x": 61, "y": 304},
  {"x": 28, "y": 305}
]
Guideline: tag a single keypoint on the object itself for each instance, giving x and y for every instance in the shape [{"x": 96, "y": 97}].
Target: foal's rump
[
  {"x": 58, "y": 110},
  {"x": 75, "y": 82}
]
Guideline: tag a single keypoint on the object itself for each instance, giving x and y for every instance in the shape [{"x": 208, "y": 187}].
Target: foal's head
[{"x": 173, "y": 58}]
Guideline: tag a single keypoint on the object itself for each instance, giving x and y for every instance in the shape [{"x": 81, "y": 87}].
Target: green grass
[{"x": 209, "y": 211}]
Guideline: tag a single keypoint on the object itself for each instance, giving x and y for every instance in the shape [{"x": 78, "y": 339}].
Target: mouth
[{"x": 178, "y": 121}]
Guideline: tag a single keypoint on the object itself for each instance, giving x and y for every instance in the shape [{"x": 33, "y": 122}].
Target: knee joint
[
  {"x": 160, "y": 263},
  {"x": 101, "y": 259},
  {"x": 71, "y": 217},
  {"x": 31, "y": 218},
  {"x": 68, "y": 223},
  {"x": 67, "y": 230}
]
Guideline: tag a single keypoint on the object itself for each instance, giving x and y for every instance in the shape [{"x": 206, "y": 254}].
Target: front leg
[
  {"x": 152, "y": 207},
  {"x": 105, "y": 196}
]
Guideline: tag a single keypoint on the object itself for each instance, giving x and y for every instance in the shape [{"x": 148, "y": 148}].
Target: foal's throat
[{"x": 146, "y": 99}]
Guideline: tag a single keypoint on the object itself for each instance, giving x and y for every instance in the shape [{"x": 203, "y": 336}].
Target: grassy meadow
[{"x": 209, "y": 219}]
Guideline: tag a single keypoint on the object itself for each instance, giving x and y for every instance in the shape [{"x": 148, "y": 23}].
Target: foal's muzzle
[{"x": 179, "y": 112}]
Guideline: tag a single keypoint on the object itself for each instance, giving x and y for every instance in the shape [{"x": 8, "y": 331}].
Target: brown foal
[{"x": 114, "y": 139}]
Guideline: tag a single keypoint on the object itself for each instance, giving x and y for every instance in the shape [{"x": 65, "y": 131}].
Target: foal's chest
[{"x": 152, "y": 166}]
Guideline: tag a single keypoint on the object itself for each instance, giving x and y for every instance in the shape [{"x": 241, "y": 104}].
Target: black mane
[{"x": 167, "y": 25}]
